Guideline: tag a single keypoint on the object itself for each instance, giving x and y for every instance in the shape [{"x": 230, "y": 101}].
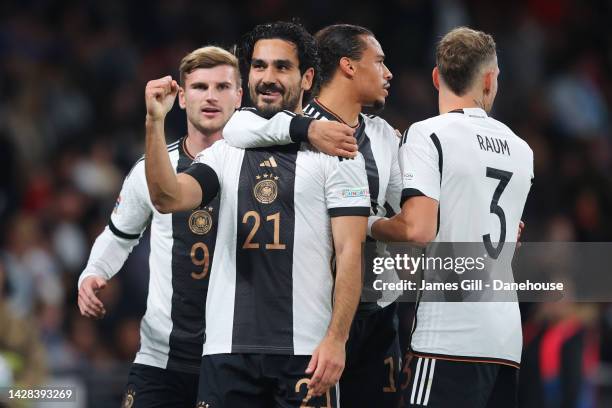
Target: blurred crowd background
[{"x": 72, "y": 76}]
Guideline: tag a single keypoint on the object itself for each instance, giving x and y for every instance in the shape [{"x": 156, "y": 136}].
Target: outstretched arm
[
  {"x": 247, "y": 129},
  {"x": 112, "y": 247},
  {"x": 417, "y": 222}
]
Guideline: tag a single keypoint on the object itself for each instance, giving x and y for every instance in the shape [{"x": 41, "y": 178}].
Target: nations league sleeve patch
[{"x": 354, "y": 192}]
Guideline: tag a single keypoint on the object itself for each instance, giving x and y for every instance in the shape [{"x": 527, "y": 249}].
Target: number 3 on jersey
[{"x": 504, "y": 179}]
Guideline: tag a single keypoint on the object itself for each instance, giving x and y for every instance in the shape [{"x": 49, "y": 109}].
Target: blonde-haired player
[{"x": 166, "y": 369}]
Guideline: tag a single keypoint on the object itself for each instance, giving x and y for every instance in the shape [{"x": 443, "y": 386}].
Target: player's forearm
[
  {"x": 161, "y": 179},
  {"x": 346, "y": 292},
  {"x": 246, "y": 129},
  {"x": 108, "y": 254},
  {"x": 400, "y": 229},
  {"x": 347, "y": 289}
]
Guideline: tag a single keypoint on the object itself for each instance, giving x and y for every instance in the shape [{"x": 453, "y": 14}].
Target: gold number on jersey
[
  {"x": 306, "y": 381},
  {"x": 248, "y": 242},
  {"x": 203, "y": 260},
  {"x": 276, "y": 244},
  {"x": 391, "y": 387},
  {"x": 406, "y": 370}
]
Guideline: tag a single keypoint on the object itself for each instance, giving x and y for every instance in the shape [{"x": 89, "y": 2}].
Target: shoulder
[
  {"x": 250, "y": 111},
  {"x": 378, "y": 123},
  {"x": 377, "y": 127},
  {"x": 430, "y": 128},
  {"x": 216, "y": 148},
  {"x": 436, "y": 123},
  {"x": 138, "y": 167},
  {"x": 517, "y": 139}
]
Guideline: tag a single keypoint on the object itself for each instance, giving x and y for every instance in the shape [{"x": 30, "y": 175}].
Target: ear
[
  {"x": 307, "y": 79},
  {"x": 181, "y": 97},
  {"x": 487, "y": 84},
  {"x": 347, "y": 67},
  {"x": 238, "y": 98},
  {"x": 435, "y": 77}
]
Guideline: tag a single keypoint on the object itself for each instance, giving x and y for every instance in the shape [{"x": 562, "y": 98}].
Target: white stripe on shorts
[
  {"x": 422, "y": 382},
  {"x": 429, "y": 381},
  {"x": 415, "y": 380}
]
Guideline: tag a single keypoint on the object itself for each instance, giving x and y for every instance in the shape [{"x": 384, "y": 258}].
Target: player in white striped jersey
[
  {"x": 277, "y": 319},
  {"x": 167, "y": 364},
  {"x": 466, "y": 179},
  {"x": 352, "y": 76}
]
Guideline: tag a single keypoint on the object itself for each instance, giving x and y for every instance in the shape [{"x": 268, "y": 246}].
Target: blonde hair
[
  {"x": 460, "y": 55},
  {"x": 208, "y": 57}
]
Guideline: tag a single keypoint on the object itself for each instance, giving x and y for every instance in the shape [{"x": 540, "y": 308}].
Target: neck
[
  {"x": 298, "y": 109},
  {"x": 197, "y": 141},
  {"x": 448, "y": 101},
  {"x": 343, "y": 103}
]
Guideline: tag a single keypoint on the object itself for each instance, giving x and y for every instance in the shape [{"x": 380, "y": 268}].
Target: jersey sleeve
[
  {"x": 420, "y": 165},
  {"x": 247, "y": 128},
  {"x": 132, "y": 209},
  {"x": 394, "y": 188},
  {"x": 346, "y": 187},
  {"x": 128, "y": 220},
  {"x": 207, "y": 170}
]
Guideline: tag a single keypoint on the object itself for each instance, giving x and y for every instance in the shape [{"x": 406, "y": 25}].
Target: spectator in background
[{"x": 22, "y": 355}]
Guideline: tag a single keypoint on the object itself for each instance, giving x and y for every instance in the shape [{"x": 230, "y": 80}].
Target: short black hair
[
  {"x": 338, "y": 41},
  {"x": 293, "y": 32}
]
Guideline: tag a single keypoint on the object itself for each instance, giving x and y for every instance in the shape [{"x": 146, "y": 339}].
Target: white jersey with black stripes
[
  {"x": 480, "y": 172},
  {"x": 377, "y": 143},
  {"x": 271, "y": 282},
  {"x": 182, "y": 246}
]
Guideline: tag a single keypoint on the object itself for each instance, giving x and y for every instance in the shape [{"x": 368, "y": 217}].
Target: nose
[
  {"x": 268, "y": 76},
  {"x": 388, "y": 74},
  {"x": 211, "y": 94}
]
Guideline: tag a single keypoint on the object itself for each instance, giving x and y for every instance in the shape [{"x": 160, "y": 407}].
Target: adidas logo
[{"x": 268, "y": 163}]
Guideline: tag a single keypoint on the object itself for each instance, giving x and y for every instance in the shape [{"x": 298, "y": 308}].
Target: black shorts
[
  {"x": 371, "y": 375},
  {"x": 152, "y": 387},
  {"x": 258, "y": 381},
  {"x": 437, "y": 383}
]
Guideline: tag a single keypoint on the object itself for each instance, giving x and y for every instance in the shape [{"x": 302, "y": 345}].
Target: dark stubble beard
[
  {"x": 378, "y": 106},
  {"x": 290, "y": 99}
]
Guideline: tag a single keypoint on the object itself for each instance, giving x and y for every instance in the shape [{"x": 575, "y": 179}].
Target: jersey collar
[
  {"x": 317, "y": 110},
  {"x": 472, "y": 112}
]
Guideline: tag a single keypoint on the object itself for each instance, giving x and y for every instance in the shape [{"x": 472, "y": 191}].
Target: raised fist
[{"x": 159, "y": 96}]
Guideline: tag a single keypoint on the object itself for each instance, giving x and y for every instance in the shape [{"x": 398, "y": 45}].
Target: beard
[
  {"x": 290, "y": 99},
  {"x": 378, "y": 105}
]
